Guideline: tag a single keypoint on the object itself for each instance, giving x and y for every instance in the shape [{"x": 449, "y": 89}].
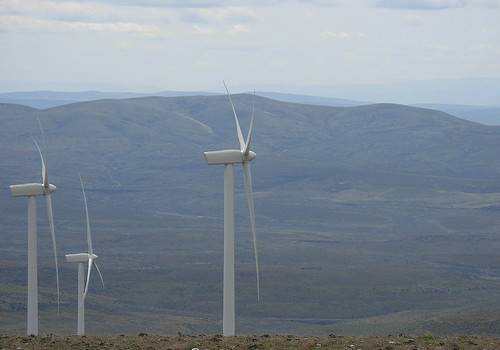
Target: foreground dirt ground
[{"x": 216, "y": 342}]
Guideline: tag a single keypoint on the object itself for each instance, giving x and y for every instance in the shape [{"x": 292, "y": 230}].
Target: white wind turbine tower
[
  {"x": 228, "y": 158},
  {"x": 32, "y": 190},
  {"x": 82, "y": 258}
]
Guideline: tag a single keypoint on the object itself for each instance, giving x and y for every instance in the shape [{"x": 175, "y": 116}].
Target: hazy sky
[{"x": 194, "y": 44}]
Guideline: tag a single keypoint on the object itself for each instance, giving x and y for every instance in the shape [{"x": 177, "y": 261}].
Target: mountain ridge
[{"x": 489, "y": 115}]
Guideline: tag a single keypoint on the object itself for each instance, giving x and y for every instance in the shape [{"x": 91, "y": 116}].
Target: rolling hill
[{"x": 380, "y": 214}]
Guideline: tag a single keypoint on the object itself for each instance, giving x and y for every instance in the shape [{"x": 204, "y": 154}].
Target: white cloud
[
  {"x": 310, "y": 16},
  {"x": 367, "y": 36},
  {"x": 350, "y": 56},
  {"x": 481, "y": 47},
  {"x": 225, "y": 14},
  {"x": 31, "y": 16},
  {"x": 441, "y": 47},
  {"x": 120, "y": 27},
  {"x": 223, "y": 3},
  {"x": 413, "y": 19},
  {"x": 124, "y": 44},
  {"x": 30, "y": 25},
  {"x": 238, "y": 28},
  {"x": 420, "y": 4},
  {"x": 70, "y": 11},
  {"x": 339, "y": 35},
  {"x": 204, "y": 31},
  {"x": 493, "y": 4}
]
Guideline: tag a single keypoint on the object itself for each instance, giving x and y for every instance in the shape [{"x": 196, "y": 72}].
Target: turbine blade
[
  {"x": 43, "y": 162},
  {"x": 51, "y": 223},
  {"x": 238, "y": 129},
  {"x": 99, "y": 272},
  {"x": 248, "y": 188},
  {"x": 247, "y": 145},
  {"x": 45, "y": 174},
  {"x": 88, "y": 280},
  {"x": 89, "y": 237}
]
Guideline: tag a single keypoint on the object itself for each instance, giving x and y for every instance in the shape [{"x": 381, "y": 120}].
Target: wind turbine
[
  {"x": 82, "y": 258},
  {"x": 228, "y": 158},
  {"x": 32, "y": 190}
]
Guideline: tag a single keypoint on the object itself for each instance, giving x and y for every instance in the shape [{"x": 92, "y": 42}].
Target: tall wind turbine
[
  {"x": 82, "y": 258},
  {"x": 228, "y": 158},
  {"x": 32, "y": 190}
]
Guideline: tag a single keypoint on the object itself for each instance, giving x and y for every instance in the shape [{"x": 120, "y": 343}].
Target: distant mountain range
[
  {"x": 472, "y": 91},
  {"x": 478, "y": 114},
  {"x": 378, "y": 213},
  {"x": 48, "y": 99},
  {"x": 466, "y": 91},
  {"x": 489, "y": 115}
]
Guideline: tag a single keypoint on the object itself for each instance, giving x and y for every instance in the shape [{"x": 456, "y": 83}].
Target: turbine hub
[
  {"x": 93, "y": 256},
  {"x": 251, "y": 155},
  {"x": 51, "y": 188}
]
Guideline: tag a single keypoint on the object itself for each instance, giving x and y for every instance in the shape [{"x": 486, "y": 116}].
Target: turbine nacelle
[
  {"x": 33, "y": 189},
  {"x": 231, "y": 156},
  {"x": 80, "y": 257},
  {"x": 77, "y": 258}
]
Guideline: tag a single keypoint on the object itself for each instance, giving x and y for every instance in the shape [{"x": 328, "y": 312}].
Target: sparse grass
[
  {"x": 306, "y": 294},
  {"x": 201, "y": 342}
]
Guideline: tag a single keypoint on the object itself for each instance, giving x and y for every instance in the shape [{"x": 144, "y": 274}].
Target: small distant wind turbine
[
  {"x": 228, "y": 158},
  {"x": 32, "y": 190},
  {"x": 82, "y": 258}
]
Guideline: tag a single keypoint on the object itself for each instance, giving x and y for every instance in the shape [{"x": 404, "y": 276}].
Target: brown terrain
[{"x": 201, "y": 342}]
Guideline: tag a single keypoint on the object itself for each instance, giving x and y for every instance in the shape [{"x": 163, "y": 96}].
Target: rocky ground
[{"x": 201, "y": 342}]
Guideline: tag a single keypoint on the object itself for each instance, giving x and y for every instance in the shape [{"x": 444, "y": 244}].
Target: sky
[{"x": 193, "y": 45}]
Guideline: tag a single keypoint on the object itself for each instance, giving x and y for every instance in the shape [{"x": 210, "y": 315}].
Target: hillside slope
[{"x": 361, "y": 212}]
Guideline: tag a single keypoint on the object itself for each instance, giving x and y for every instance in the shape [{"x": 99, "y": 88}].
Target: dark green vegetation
[
  {"x": 378, "y": 219},
  {"x": 277, "y": 342}
]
